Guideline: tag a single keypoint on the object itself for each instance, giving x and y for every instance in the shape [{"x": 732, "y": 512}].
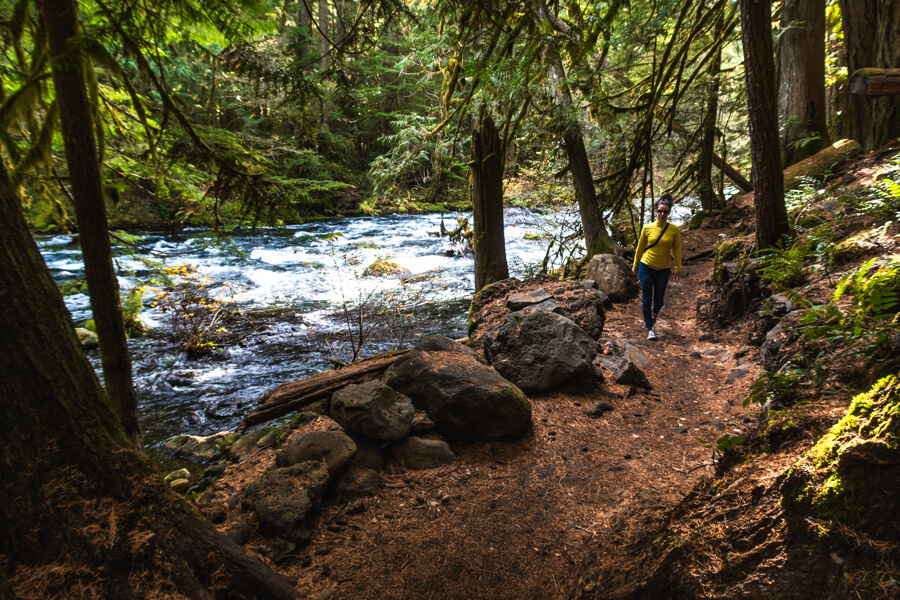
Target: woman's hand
[{"x": 677, "y": 277}]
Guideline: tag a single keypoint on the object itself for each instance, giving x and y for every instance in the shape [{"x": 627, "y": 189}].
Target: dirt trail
[{"x": 517, "y": 520}]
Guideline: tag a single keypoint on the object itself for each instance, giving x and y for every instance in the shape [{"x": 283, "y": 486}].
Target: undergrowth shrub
[
  {"x": 864, "y": 325},
  {"x": 195, "y": 310}
]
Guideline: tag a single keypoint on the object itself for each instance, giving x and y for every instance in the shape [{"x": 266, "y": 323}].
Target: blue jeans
[{"x": 653, "y": 291}]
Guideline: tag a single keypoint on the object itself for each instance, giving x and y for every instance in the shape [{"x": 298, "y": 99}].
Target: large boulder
[
  {"x": 335, "y": 448},
  {"x": 285, "y": 500},
  {"x": 493, "y": 303},
  {"x": 466, "y": 399},
  {"x": 373, "y": 410},
  {"x": 613, "y": 277},
  {"x": 538, "y": 350}
]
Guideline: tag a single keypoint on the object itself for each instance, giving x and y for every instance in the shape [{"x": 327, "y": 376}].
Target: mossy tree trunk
[
  {"x": 488, "y": 239},
  {"x": 82, "y": 157},
  {"x": 871, "y": 39},
  {"x": 759, "y": 67},
  {"x": 74, "y": 494}
]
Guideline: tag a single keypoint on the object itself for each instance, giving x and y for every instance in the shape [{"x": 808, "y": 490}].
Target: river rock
[
  {"x": 210, "y": 447},
  {"x": 613, "y": 277},
  {"x": 335, "y": 448},
  {"x": 383, "y": 267},
  {"x": 247, "y": 445},
  {"x": 625, "y": 372},
  {"x": 520, "y": 300},
  {"x": 374, "y": 410},
  {"x": 466, "y": 399},
  {"x": 285, "y": 500},
  {"x": 88, "y": 338},
  {"x": 539, "y": 350},
  {"x": 180, "y": 486},
  {"x": 178, "y": 474},
  {"x": 420, "y": 454}
]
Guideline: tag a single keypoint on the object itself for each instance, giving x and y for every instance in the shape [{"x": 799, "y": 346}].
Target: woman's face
[{"x": 662, "y": 213}]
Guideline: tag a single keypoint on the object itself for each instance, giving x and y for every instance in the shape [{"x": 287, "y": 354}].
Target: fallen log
[
  {"x": 875, "y": 82},
  {"x": 820, "y": 164},
  {"x": 294, "y": 395}
]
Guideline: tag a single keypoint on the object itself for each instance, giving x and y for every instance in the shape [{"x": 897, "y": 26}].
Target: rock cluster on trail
[
  {"x": 466, "y": 399},
  {"x": 438, "y": 387}
]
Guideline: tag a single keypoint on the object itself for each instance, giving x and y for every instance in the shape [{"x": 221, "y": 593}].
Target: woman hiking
[{"x": 652, "y": 261}]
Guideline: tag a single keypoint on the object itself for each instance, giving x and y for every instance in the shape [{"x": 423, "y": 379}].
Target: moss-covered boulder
[
  {"x": 211, "y": 447},
  {"x": 850, "y": 480},
  {"x": 88, "y": 338},
  {"x": 383, "y": 267}
]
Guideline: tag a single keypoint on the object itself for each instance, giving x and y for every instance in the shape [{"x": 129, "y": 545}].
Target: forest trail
[{"x": 517, "y": 520}]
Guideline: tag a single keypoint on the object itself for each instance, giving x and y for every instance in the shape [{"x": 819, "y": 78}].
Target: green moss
[
  {"x": 697, "y": 220},
  {"x": 872, "y": 415},
  {"x": 730, "y": 250},
  {"x": 851, "y": 476}
]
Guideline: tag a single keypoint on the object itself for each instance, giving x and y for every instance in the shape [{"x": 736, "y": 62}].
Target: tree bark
[
  {"x": 61, "y": 21},
  {"x": 759, "y": 69},
  {"x": 708, "y": 199},
  {"x": 597, "y": 239},
  {"x": 801, "y": 80},
  {"x": 324, "y": 44},
  {"x": 871, "y": 40},
  {"x": 488, "y": 240}
]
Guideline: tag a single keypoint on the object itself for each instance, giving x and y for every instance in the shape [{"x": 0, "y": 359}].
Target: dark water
[{"x": 298, "y": 279}]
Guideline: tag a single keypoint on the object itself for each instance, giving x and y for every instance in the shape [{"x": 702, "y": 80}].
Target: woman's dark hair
[{"x": 665, "y": 199}]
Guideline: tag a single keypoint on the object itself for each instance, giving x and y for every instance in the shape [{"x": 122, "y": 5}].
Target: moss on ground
[{"x": 850, "y": 477}]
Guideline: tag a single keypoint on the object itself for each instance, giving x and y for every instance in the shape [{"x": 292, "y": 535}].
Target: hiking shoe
[{"x": 651, "y": 335}]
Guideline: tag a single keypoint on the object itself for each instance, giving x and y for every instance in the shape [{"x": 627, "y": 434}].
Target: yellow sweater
[{"x": 657, "y": 257}]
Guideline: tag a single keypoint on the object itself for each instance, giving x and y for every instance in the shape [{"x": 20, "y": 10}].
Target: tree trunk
[
  {"x": 79, "y": 508},
  {"x": 596, "y": 237},
  {"x": 304, "y": 35},
  {"x": 870, "y": 37},
  {"x": 61, "y": 21},
  {"x": 801, "y": 80},
  {"x": 759, "y": 68},
  {"x": 708, "y": 199},
  {"x": 324, "y": 44},
  {"x": 487, "y": 205}
]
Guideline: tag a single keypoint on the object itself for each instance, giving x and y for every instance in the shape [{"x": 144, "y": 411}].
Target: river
[{"x": 299, "y": 276}]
